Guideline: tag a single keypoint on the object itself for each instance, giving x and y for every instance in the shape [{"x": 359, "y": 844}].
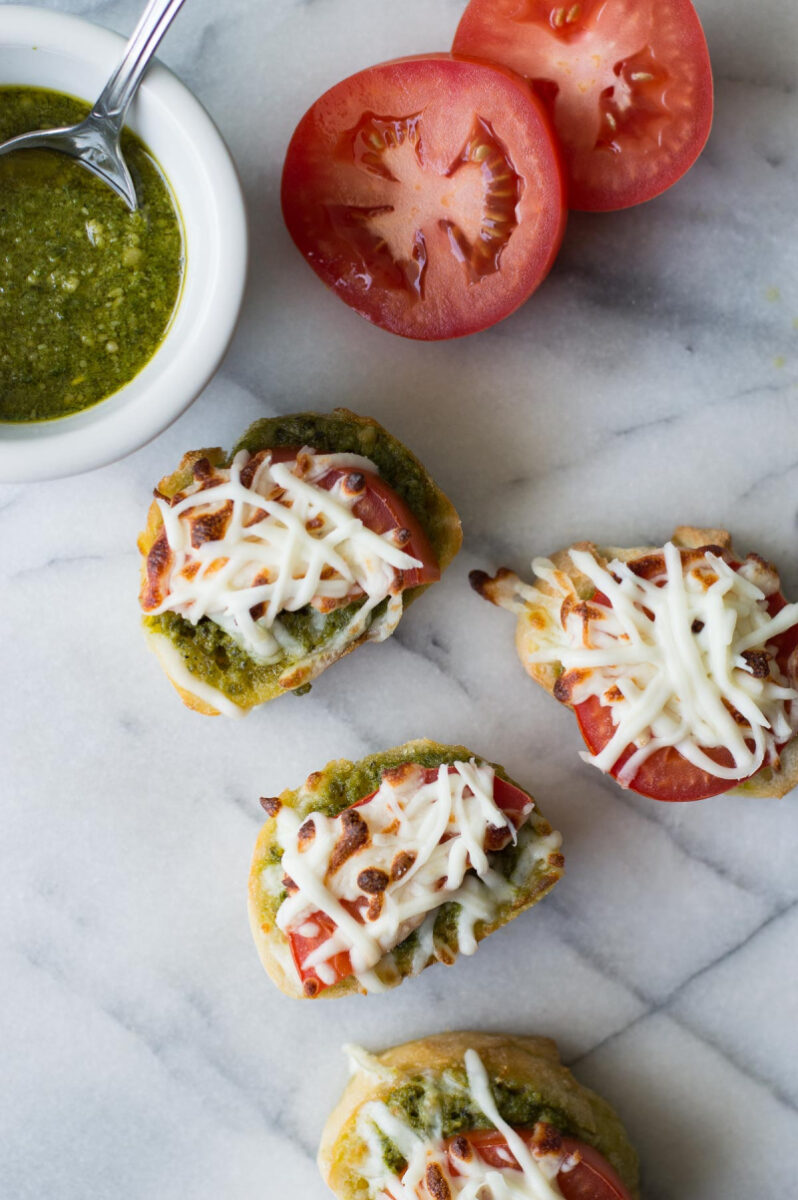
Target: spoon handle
[{"x": 115, "y": 98}]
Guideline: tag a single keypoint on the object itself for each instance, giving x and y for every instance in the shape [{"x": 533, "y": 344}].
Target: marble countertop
[{"x": 653, "y": 380}]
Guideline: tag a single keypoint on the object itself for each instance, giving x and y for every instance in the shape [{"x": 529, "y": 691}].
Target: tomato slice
[
  {"x": 510, "y": 799},
  {"x": 427, "y": 193},
  {"x": 381, "y": 509},
  {"x": 628, "y": 84},
  {"x": 666, "y": 774},
  {"x": 592, "y": 1178}
]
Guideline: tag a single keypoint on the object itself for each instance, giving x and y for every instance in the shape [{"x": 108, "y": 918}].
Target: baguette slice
[
  {"x": 211, "y": 672},
  {"x": 538, "y": 866},
  {"x": 530, "y": 1075},
  {"x": 537, "y": 608}
]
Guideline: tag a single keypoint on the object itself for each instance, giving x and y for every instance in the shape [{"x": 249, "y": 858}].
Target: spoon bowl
[{"x": 94, "y": 142}]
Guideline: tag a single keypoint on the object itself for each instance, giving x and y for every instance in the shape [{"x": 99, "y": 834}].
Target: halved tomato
[
  {"x": 427, "y": 193},
  {"x": 628, "y": 84},
  {"x": 666, "y": 774},
  {"x": 319, "y": 926},
  {"x": 590, "y": 1178}
]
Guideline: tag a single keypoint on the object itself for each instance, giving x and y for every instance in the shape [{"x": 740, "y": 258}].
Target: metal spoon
[{"x": 95, "y": 141}]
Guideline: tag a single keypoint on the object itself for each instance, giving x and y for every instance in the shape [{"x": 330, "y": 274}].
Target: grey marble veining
[{"x": 652, "y": 380}]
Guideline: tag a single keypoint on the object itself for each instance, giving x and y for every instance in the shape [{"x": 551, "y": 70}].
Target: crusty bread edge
[
  {"x": 272, "y": 944},
  {"x": 523, "y": 1059}
]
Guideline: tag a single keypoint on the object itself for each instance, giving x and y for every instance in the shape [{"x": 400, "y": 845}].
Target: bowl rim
[{"x": 100, "y": 435}]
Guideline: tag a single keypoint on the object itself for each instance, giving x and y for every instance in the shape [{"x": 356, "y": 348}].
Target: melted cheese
[
  {"x": 405, "y": 817},
  {"x": 534, "y": 1178},
  {"x": 668, "y": 661},
  {"x": 287, "y": 543}
]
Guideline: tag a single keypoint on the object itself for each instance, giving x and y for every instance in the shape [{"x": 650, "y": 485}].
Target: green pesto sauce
[
  {"x": 212, "y": 655},
  {"x": 434, "y": 1110},
  {"x": 87, "y": 288}
]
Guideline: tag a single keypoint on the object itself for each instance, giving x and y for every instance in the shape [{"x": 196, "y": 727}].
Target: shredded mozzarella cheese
[
  {"x": 668, "y": 660},
  {"x": 534, "y": 1178},
  {"x": 287, "y": 543},
  {"x": 423, "y": 846}
]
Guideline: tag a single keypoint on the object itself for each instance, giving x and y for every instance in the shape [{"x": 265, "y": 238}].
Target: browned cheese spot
[
  {"x": 395, "y": 776},
  {"x": 402, "y": 864},
  {"x": 436, "y": 1184},
  {"x": 250, "y": 468},
  {"x": 489, "y": 588},
  {"x": 374, "y": 907},
  {"x": 210, "y": 527},
  {"x": 271, "y": 805},
  {"x": 696, "y": 626},
  {"x": 289, "y": 885},
  {"x": 496, "y": 837},
  {"x": 372, "y": 880},
  {"x": 306, "y": 833},
  {"x": 739, "y": 719},
  {"x": 556, "y": 860},
  {"x": 612, "y": 695},
  {"x": 758, "y": 663},
  {"x": 461, "y": 1148},
  {"x": 311, "y": 988},
  {"x": 202, "y": 469},
  {"x": 705, "y": 576},
  {"x": 159, "y": 560},
  {"x": 566, "y": 684},
  {"x": 353, "y": 483},
  {"x": 546, "y": 1139},
  {"x": 586, "y": 612},
  {"x": 354, "y": 835}
]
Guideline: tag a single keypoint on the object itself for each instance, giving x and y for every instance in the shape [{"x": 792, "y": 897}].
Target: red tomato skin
[
  {"x": 489, "y": 29},
  {"x": 591, "y": 1179},
  {"x": 510, "y": 799},
  {"x": 668, "y": 776},
  {"x": 449, "y": 310}
]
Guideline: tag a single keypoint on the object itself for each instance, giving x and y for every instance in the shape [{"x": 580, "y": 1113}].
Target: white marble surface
[{"x": 652, "y": 380}]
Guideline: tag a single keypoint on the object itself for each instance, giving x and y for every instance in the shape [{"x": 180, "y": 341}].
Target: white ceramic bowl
[{"x": 47, "y": 49}]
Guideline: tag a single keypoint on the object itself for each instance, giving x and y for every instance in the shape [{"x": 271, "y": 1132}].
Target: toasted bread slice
[
  {"x": 210, "y": 671},
  {"x": 529, "y": 1076},
  {"x": 537, "y": 607},
  {"x": 532, "y": 867}
]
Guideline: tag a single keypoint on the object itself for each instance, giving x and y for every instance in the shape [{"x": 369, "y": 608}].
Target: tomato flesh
[
  {"x": 666, "y": 774},
  {"x": 591, "y": 1178},
  {"x": 628, "y": 84},
  {"x": 513, "y": 802},
  {"x": 427, "y": 193}
]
